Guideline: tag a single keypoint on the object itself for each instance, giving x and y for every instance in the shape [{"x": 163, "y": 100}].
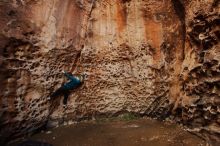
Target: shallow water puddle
[{"x": 142, "y": 132}]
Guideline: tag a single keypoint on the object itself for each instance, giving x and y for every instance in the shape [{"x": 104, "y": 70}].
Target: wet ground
[{"x": 142, "y": 132}]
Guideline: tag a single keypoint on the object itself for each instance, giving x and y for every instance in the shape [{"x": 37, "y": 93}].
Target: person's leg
[
  {"x": 66, "y": 95},
  {"x": 58, "y": 92}
]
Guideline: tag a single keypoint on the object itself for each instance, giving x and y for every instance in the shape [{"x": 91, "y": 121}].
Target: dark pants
[{"x": 61, "y": 91}]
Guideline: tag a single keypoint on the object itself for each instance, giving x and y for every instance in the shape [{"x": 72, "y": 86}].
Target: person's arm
[
  {"x": 67, "y": 75},
  {"x": 70, "y": 77}
]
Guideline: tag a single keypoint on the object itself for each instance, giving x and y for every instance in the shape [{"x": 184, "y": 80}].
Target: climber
[{"x": 75, "y": 81}]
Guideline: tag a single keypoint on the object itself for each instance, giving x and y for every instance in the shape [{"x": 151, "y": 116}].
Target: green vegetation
[{"x": 128, "y": 117}]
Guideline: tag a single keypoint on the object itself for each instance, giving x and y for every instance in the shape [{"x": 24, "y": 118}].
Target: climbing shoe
[{"x": 48, "y": 98}]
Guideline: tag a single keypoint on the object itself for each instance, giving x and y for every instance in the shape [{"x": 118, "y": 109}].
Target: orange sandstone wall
[{"x": 158, "y": 58}]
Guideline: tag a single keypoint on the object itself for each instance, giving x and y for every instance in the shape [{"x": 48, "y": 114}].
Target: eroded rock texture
[
  {"x": 200, "y": 106},
  {"x": 155, "y": 57}
]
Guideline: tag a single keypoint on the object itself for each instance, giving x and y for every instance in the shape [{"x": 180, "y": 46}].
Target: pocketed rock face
[
  {"x": 155, "y": 58},
  {"x": 38, "y": 40},
  {"x": 200, "y": 75},
  {"x": 130, "y": 49}
]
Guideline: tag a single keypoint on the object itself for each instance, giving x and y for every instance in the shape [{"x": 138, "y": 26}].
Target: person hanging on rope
[{"x": 75, "y": 81}]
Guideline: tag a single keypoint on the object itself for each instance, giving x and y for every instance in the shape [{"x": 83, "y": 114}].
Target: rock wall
[
  {"x": 199, "y": 101},
  {"x": 156, "y": 58},
  {"x": 38, "y": 40}
]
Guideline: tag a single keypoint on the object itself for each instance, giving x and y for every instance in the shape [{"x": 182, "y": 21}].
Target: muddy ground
[{"x": 139, "y": 132}]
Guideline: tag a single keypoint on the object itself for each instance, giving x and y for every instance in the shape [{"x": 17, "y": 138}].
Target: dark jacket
[{"x": 73, "y": 83}]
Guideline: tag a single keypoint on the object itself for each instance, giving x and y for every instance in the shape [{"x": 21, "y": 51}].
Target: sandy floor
[{"x": 142, "y": 132}]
